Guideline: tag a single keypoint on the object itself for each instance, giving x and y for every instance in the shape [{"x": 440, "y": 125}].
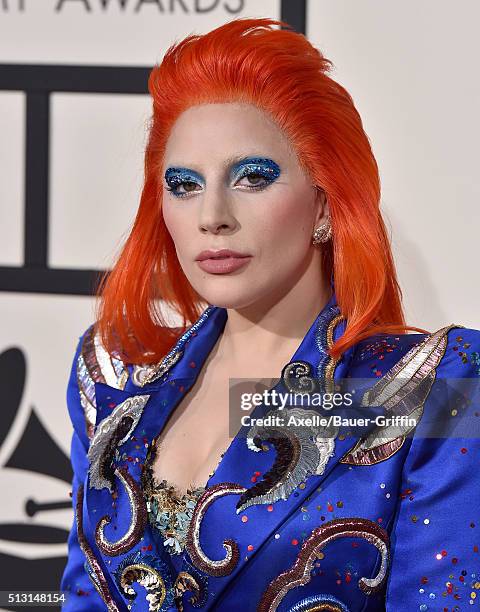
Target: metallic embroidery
[
  {"x": 151, "y": 573},
  {"x": 221, "y": 567},
  {"x": 145, "y": 374},
  {"x": 99, "y": 580},
  {"x": 296, "y": 376},
  {"x": 95, "y": 364},
  {"x": 171, "y": 513},
  {"x": 405, "y": 375},
  {"x": 324, "y": 338},
  {"x": 299, "y": 573},
  {"x": 86, "y": 388},
  {"x": 301, "y": 452},
  {"x": 112, "y": 369},
  {"x": 112, "y": 432},
  {"x": 93, "y": 577},
  {"x": 403, "y": 390},
  {"x": 138, "y": 520},
  {"x": 319, "y": 603},
  {"x": 197, "y": 585}
]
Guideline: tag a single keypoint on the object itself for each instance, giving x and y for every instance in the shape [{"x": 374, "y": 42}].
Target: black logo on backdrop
[{"x": 35, "y": 453}]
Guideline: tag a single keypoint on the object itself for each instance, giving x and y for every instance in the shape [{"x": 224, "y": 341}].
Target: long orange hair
[{"x": 279, "y": 71}]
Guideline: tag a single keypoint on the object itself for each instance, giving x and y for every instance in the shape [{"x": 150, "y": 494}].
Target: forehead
[{"x": 224, "y": 133}]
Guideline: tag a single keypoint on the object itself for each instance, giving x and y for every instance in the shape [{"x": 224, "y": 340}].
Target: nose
[{"x": 215, "y": 214}]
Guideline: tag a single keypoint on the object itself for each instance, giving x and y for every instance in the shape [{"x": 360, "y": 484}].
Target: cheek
[
  {"x": 287, "y": 225},
  {"x": 176, "y": 224}
]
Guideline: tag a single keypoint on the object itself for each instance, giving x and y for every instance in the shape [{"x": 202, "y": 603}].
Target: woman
[{"x": 259, "y": 223}]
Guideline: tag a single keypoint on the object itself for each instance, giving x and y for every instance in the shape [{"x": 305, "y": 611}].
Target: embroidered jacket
[{"x": 340, "y": 518}]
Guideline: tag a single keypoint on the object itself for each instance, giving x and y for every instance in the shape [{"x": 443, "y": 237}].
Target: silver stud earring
[{"x": 322, "y": 233}]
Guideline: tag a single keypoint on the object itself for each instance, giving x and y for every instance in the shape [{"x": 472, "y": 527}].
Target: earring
[{"x": 322, "y": 233}]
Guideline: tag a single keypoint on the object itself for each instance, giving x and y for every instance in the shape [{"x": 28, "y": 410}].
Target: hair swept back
[{"x": 280, "y": 71}]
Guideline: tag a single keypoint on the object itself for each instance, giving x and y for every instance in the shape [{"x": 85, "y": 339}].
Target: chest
[{"x": 190, "y": 445}]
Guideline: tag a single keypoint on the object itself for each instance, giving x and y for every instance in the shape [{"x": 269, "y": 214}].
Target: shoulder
[
  {"x": 461, "y": 358},
  {"x": 94, "y": 364},
  {"x": 452, "y": 350}
]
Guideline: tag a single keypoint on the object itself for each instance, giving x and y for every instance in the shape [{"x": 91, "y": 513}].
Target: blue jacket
[{"x": 368, "y": 518}]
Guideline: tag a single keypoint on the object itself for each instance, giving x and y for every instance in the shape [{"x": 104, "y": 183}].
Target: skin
[{"x": 273, "y": 300}]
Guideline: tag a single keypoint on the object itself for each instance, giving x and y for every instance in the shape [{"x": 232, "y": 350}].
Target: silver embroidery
[
  {"x": 308, "y": 453},
  {"x": 95, "y": 364},
  {"x": 100, "y": 452},
  {"x": 144, "y": 374},
  {"x": 403, "y": 390}
]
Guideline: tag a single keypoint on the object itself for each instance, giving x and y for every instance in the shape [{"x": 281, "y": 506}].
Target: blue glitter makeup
[
  {"x": 264, "y": 167},
  {"x": 256, "y": 165},
  {"x": 175, "y": 177},
  {"x": 260, "y": 166}
]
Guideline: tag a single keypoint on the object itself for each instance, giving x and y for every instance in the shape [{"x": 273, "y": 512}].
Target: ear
[{"x": 322, "y": 207}]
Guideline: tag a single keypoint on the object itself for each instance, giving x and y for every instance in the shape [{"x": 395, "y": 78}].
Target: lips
[
  {"x": 223, "y": 261},
  {"x": 220, "y": 254}
]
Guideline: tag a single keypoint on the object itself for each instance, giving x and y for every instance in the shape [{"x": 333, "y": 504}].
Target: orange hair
[{"x": 279, "y": 71}]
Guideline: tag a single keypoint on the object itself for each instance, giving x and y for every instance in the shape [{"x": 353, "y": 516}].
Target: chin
[{"x": 229, "y": 294}]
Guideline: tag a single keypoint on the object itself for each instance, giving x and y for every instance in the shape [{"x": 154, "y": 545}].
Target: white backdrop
[{"x": 412, "y": 71}]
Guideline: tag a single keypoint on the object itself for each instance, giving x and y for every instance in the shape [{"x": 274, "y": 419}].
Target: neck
[{"x": 270, "y": 331}]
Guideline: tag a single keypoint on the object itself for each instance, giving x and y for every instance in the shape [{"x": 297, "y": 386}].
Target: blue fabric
[{"x": 426, "y": 496}]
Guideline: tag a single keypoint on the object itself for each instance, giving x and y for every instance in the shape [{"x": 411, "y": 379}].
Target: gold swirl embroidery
[
  {"x": 149, "y": 578},
  {"x": 138, "y": 519},
  {"x": 299, "y": 573},
  {"x": 186, "y": 582},
  {"x": 221, "y": 567},
  {"x": 331, "y": 363}
]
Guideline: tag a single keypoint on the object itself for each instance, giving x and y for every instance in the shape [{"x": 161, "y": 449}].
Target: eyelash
[{"x": 244, "y": 175}]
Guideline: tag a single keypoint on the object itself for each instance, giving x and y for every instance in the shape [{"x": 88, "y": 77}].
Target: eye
[
  {"x": 189, "y": 187},
  {"x": 256, "y": 181},
  {"x": 258, "y": 177},
  {"x": 181, "y": 182}
]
